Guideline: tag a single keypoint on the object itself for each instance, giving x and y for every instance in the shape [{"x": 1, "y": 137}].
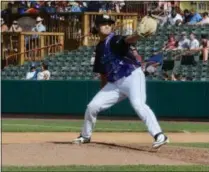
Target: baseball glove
[{"x": 147, "y": 26}]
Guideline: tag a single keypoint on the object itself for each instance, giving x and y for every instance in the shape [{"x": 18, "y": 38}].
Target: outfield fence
[{"x": 167, "y": 99}]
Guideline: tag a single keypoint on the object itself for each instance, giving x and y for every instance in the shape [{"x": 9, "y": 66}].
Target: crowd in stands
[
  {"x": 37, "y": 74},
  {"x": 189, "y": 45},
  {"x": 187, "y": 18},
  {"x": 64, "y": 6},
  {"x": 170, "y": 16},
  {"x": 15, "y": 27}
]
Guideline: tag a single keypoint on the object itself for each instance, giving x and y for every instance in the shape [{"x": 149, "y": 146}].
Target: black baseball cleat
[
  {"x": 81, "y": 140},
  {"x": 160, "y": 140}
]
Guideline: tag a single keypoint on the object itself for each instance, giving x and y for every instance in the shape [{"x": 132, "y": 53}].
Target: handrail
[
  {"x": 43, "y": 33},
  {"x": 32, "y": 50},
  {"x": 33, "y": 33},
  {"x": 35, "y": 49},
  {"x": 111, "y": 13}
]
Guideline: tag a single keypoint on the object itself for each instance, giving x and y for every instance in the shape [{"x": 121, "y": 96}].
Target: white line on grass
[{"x": 65, "y": 127}]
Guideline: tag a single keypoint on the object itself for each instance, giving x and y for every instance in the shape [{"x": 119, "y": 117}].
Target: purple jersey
[{"x": 114, "y": 59}]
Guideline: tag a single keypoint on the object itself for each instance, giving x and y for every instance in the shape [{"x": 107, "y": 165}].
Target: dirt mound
[
  {"x": 32, "y": 149},
  {"x": 67, "y": 154}
]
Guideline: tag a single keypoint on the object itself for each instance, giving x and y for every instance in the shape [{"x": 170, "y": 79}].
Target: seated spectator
[
  {"x": 166, "y": 6},
  {"x": 4, "y": 27},
  {"x": 105, "y": 6},
  {"x": 187, "y": 16},
  {"x": 93, "y": 58},
  {"x": 205, "y": 47},
  {"x": 15, "y": 27},
  {"x": 33, "y": 8},
  {"x": 32, "y": 75},
  {"x": 162, "y": 17},
  {"x": 174, "y": 18},
  {"x": 184, "y": 42},
  {"x": 205, "y": 19},
  {"x": 188, "y": 57},
  {"x": 194, "y": 43},
  {"x": 176, "y": 77},
  {"x": 44, "y": 74},
  {"x": 171, "y": 44},
  {"x": 39, "y": 27},
  {"x": 150, "y": 65},
  {"x": 75, "y": 7},
  {"x": 118, "y": 5},
  {"x": 192, "y": 17}
]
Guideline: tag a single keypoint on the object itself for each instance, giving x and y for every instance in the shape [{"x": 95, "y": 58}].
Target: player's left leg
[
  {"x": 134, "y": 87},
  {"x": 104, "y": 99}
]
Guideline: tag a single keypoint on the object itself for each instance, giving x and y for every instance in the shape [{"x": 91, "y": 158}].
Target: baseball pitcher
[{"x": 122, "y": 77}]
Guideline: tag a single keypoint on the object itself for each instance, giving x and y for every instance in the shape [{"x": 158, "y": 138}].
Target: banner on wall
[{"x": 200, "y": 7}]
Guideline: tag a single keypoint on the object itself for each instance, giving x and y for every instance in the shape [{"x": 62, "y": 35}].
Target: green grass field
[
  {"x": 110, "y": 168},
  {"x": 44, "y": 125},
  {"x": 194, "y": 145}
]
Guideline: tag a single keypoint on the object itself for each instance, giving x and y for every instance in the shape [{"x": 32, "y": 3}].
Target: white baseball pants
[{"x": 133, "y": 87}]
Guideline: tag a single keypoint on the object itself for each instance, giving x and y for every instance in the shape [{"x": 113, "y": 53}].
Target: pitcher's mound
[{"x": 64, "y": 153}]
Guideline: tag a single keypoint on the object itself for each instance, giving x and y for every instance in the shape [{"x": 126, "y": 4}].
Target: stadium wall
[{"x": 167, "y": 99}]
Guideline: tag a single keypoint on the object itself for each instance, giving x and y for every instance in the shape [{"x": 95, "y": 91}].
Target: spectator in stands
[
  {"x": 118, "y": 5},
  {"x": 93, "y": 58},
  {"x": 174, "y": 18},
  {"x": 188, "y": 57},
  {"x": 171, "y": 44},
  {"x": 4, "y": 27},
  {"x": 33, "y": 7},
  {"x": 165, "y": 6},
  {"x": 205, "y": 47},
  {"x": 32, "y": 75},
  {"x": 15, "y": 27},
  {"x": 187, "y": 16},
  {"x": 105, "y": 6},
  {"x": 192, "y": 17},
  {"x": 162, "y": 17},
  {"x": 44, "y": 74},
  {"x": 176, "y": 77},
  {"x": 205, "y": 19},
  {"x": 184, "y": 42},
  {"x": 39, "y": 27},
  {"x": 75, "y": 7},
  {"x": 194, "y": 43},
  {"x": 166, "y": 76}
]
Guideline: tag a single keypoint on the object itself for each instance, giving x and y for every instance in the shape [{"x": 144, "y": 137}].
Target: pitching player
[{"x": 124, "y": 76}]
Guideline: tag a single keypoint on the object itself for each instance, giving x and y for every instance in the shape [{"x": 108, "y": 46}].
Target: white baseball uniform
[
  {"x": 125, "y": 80},
  {"x": 133, "y": 87}
]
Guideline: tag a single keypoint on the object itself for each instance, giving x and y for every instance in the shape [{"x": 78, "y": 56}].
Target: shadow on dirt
[{"x": 112, "y": 145}]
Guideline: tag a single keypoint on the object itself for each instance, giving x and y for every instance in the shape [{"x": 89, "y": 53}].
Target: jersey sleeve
[
  {"x": 98, "y": 67},
  {"x": 119, "y": 46}
]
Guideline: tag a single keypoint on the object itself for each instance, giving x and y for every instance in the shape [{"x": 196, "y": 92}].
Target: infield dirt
[{"x": 33, "y": 149}]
